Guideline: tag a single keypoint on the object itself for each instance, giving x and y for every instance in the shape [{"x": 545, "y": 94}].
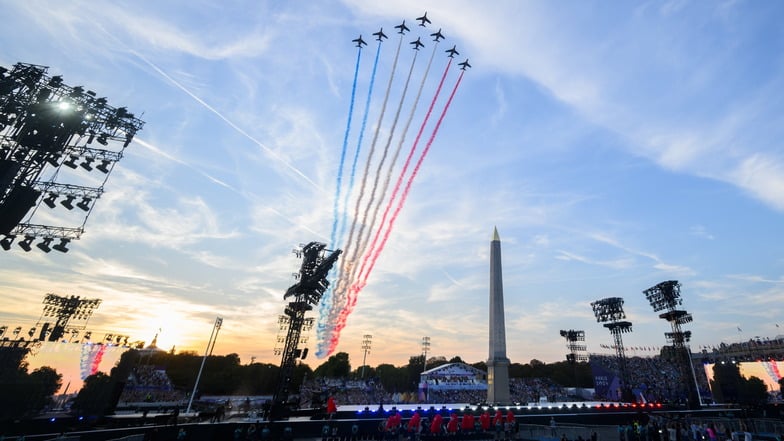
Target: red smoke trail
[
  {"x": 361, "y": 283},
  {"x": 357, "y": 286},
  {"x": 399, "y": 181}
]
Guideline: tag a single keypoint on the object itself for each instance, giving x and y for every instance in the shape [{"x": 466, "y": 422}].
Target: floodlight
[
  {"x": 87, "y": 164},
  {"x": 85, "y": 204},
  {"x": 44, "y": 244},
  {"x": 49, "y": 200},
  {"x": 61, "y": 247},
  {"x": 68, "y": 202},
  {"x": 103, "y": 139},
  {"x": 71, "y": 162},
  {"x": 104, "y": 165},
  {"x": 25, "y": 244},
  {"x": 54, "y": 159},
  {"x": 7, "y": 241}
]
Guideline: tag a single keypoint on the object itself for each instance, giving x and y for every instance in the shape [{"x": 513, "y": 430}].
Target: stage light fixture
[
  {"x": 68, "y": 202},
  {"x": 103, "y": 139},
  {"x": 25, "y": 244},
  {"x": 61, "y": 247},
  {"x": 71, "y": 162},
  {"x": 84, "y": 204},
  {"x": 54, "y": 160},
  {"x": 7, "y": 241},
  {"x": 49, "y": 200},
  {"x": 87, "y": 164},
  {"x": 104, "y": 165},
  {"x": 44, "y": 244}
]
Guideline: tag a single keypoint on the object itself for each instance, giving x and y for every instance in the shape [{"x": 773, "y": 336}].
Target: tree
[
  {"x": 393, "y": 378},
  {"x": 95, "y": 396},
  {"x": 44, "y": 383},
  {"x": 726, "y": 382},
  {"x": 754, "y": 392},
  {"x": 336, "y": 366},
  {"x": 456, "y": 359}
]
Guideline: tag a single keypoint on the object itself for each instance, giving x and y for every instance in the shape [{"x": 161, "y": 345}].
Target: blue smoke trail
[{"x": 343, "y": 154}]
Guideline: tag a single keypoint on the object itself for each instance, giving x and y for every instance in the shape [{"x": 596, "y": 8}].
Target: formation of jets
[
  {"x": 402, "y": 29},
  {"x": 380, "y": 34},
  {"x": 423, "y": 20},
  {"x": 359, "y": 41}
]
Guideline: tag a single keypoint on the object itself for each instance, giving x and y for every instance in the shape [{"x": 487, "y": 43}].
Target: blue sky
[{"x": 615, "y": 145}]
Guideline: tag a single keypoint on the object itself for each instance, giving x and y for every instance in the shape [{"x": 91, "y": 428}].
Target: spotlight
[
  {"x": 92, "y": 133},
  {"x": 86, "y": 164},
  {"x": 71, "y": 162},
  {"x": 44, "y": 245},
  {"x": 54, "y": 160},
  {"x": 49, "y": 201},
  {"x": 84, "y": 204},
  {"x": 61, "y": 247},
  {"x": 6, "y": 242},
  {"x": 104, "y": 165},
  {"x": 25, "y": 244},
  {"x": 68, "y": 202},
  {"x": 102, "y": 139}
]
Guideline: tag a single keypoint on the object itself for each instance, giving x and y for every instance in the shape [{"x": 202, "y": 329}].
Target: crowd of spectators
[
  {"x": 653, "y": 378},
  {"x": 348, "y": 392},
  {"x": 149, "y": 384}
]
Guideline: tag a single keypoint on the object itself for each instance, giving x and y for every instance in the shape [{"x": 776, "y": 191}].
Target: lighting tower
[
  {"x": 304, "y": 295},
  {"x": 666, "y": 296},
  {"x": 64, "y": 310},
  {"x": 47, "y": 131},
  {"x": 610, "y": 312},
  {"x": 425, "y": 349},
  {"x": 366, "y": 340},
  {"x": 575, "y": 342}
]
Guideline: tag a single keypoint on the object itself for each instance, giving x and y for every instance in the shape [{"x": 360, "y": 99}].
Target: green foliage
[
  {"x": 336, "y": 366},
  {"x": 729, "y": 386},
  {"x": 26, "y": 394},
  {"x": 95, "y": 396}
]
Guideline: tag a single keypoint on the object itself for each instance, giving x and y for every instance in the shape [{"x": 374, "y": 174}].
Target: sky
[{"x": 614, "y": 145}]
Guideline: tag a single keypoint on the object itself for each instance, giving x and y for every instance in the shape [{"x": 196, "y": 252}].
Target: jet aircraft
[
  {"x": 423, "y": 19},
  {"x": 417, "y": 44},
  {"x": 402, "y": 28},
  {"x": 464, "y": 64},
  {"x": 359, "y": 41},
  {"x": 437, "y": 36},
  {"x": 452, "y": 52},
  {"x": 380, "y": 34}
]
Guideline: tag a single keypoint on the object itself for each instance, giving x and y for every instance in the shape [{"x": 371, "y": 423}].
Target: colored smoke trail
[
  {"x": 351, "y": 248},
  {"x": 328, "y": 310},
  {"x": 343, "y": 152},
  {"x": 402, "y": 174},
  {"x": 361, "y": 283},
  {"x": 357, "y": 286},
  {"x": 327, "y": 299},
  {"x": 362, "y": 238}
]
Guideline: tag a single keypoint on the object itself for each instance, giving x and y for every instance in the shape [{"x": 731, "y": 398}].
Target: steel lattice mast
[
  {"x": 666, "y": 296},
  {"x": 305, "y": 294}
]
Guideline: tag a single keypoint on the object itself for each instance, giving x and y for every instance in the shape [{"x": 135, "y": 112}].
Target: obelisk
[{"x": 497, "y": 364}]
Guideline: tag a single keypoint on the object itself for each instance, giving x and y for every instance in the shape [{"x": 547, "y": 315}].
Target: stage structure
[
  {"x": 48, "y": 137},
  {"x": 303, "y": 295},
  {"x": 666, "y": 296},
  {"x": 65, "y": 310},
  {"x": 575, "y": 343},
  {"x": 610, "y": 312}
]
